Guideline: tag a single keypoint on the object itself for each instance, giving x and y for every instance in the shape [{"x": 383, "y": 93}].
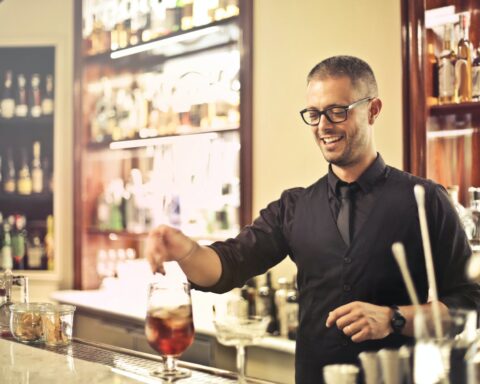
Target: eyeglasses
[{"x": 335, "y": 114}]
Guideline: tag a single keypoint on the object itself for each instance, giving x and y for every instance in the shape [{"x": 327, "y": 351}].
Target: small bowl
[
  {"x": 26, "y": 323},
  {"x": 58, "y": 324}
]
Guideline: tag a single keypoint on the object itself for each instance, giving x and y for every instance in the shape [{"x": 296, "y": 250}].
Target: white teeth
[{"x": 331, "y": 139}]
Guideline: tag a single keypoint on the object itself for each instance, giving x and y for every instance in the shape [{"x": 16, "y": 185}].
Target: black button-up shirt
[{"x": 302, "y": 225}]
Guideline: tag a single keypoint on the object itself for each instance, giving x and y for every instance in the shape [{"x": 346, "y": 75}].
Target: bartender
[{"x": 339, "y": 232}]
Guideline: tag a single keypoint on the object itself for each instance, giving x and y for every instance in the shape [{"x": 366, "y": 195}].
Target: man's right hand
[{"x": 166, "y": 243}]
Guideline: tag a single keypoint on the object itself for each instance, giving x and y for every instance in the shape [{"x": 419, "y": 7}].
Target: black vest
[{"x": 331, "y": 274}]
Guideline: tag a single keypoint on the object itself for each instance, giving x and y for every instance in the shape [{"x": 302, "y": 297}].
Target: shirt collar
[{"x": 367, "y": 179}]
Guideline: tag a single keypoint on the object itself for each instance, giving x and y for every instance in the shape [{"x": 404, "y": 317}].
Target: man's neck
[{"x": 352, "y": 172}]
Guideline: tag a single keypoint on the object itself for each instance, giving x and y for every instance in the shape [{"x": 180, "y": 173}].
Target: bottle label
[
  {"x": 446, "y": 78},
  {"x": 8, "y": 108},
  {"x": 37, "y": 181},
  {"x": 6, "y": 255}
]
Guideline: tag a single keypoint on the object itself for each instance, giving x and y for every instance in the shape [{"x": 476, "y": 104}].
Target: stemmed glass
[
  {"x": 169, "y": 325},
  {"x": 238, "y": 325}
]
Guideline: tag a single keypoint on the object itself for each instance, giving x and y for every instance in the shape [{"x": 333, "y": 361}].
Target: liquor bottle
[
  {"x": 37, "y": 171},
  {"x": 463, "y": 66},
  {"x": 19, "y": 240},
  {"x": 9, "y": 181},
  {"x": 476, "y": 76},
  {"x": 187, "y": 15},
  {"x": 24, "y": 182},
  {"x": 6, "y": 254},
  {"x": 49, "y": 243},
  {"x": 36, "y": 255},
  {"x": 292, "y": 310},
  {"x": 266, "y": 304},
  {"x": 431, "y": 82},
  {"x": 446, "y": 69},
  {"x": 21, "y": 107},
  {"x": 281, "y": 303},
  {"x": 474, "y": 208},
  {"x": 7, "y": 103},
  {"x": 248, "y": 292},
  {"x": 47, "y": 101},
  {"x": 35, "y": 99}
]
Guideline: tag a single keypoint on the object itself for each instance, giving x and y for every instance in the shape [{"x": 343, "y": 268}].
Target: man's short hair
[{"x": 352, "y": 67}]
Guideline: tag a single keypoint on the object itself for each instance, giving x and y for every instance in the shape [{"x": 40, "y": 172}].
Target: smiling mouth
[{"x": 331, "y": 139}]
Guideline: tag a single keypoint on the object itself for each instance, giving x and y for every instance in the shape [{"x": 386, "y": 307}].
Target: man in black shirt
[{"x": 339, "y": 232}]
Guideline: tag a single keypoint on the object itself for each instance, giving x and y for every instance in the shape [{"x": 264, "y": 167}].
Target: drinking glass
[
  {"x": 238, "y": 325},
  {"x": 169, "y": 325}
]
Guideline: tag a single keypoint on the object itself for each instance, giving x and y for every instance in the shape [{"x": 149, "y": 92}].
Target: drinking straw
[{"x": 419, "y": 192}]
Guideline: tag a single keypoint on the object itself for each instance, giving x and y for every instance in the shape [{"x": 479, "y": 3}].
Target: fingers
[
  {"x": 338, "y": 313},
  {"x": 155, "y": 250}
]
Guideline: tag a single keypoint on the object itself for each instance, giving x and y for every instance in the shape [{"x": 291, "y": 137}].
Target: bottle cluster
[
  {"x": 280, "y": 303},
  {"x": 117, "y": 24},
  {"x": 158, "y": 104},
  {"x": 470, "y": 215},
  {"x": 26, "y": 95},
  {"x": 23, "y": 246},
  {"x": 27, "y": 174},
  {"x": 201, "y": 200},
  {"x": 456, "y": 69}
]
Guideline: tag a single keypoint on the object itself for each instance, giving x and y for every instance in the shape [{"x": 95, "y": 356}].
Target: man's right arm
[{"x": 201, "y": 264}]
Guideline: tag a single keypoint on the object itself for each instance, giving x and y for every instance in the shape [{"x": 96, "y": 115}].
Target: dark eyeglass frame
[{"x": 326, "y": 111}]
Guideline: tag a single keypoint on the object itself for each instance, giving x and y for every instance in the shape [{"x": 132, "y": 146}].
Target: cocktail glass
[
  {"x": 169, "y": 325},
  {"x": 239, "y": 326}
]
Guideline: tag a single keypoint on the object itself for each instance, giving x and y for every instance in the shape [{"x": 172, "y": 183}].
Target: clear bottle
[
  {"x": 7, "y": 103},
  {"x": 474, "y": 208},
  {"x": 6, "y": 259},
  {"x": 37, "y": 171},
  {"x": 35, "y": 100},
  {"x": 465, "y": 216},
  {"x": 47, "y": 100},
  {"x": 36, "y": 253},
  {"x": 281, "y": 303},
  {"x": 21, "y": 107},
  {"x": 476, "y": 76},
  {"x": 446, "y": 69},
  {"x": 9, "y": 180},
  {"x": 463, "y": 66},
  {"x": 24, "y": 182}
]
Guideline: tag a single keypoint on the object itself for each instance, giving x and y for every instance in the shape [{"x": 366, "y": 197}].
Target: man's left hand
[{"x": 362, "y": 321}]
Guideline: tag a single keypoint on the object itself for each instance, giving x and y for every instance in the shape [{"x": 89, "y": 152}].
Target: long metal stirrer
[
  {"x": 427, "y": 250},
  {"x": 398, "y": 251}
]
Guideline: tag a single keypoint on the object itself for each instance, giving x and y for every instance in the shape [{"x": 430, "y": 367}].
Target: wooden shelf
[
  {"x": 27, "y": 122},
  {"x": 449, "y": 109}
]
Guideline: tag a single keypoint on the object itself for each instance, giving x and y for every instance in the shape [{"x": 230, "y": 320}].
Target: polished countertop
[
  {"x": 86, "y": 362},
  {"x": 125, "y": 302}
]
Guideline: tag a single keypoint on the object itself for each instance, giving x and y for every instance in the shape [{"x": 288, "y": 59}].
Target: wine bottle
[
  {"x": 7, "y": 103},
  {"x": 37, "y": 171},
  {"x": 292, "y": 310},
  {"x": 49, "y": 243},
  {"x": 266, "y": 304},
  {"x": 9, "y": 181},
  {"x": 47, "y": 101},
  {"x": 463, "y": 66},
  {"x": 19, "y": 237},
  {"x": 21, "y": 107},
  {"x": 446, "y": 69},
  {"x": 35, "y": 96},
  {"x": 6, "y": 261},
  {"x": 24, "y": 182}
]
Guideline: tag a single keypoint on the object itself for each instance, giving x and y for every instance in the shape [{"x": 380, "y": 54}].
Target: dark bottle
[
  {"x": 249, "y": 292},
  {"x": 35, "y": 99},
  {"x": 266, "y": 305},
  {"x": 21, "y": 107},
  {"x": 19, "y": 237},
  {"x": 47, "y": 101},
  {"x": 292, "y": 310},
  {"x": 476, "y": 76}
]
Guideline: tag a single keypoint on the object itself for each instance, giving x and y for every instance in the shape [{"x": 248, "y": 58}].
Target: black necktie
[{"x": 344, "y": 217}]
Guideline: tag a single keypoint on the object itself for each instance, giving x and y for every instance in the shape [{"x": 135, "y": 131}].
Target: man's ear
[{"x": 375, "y": 108}]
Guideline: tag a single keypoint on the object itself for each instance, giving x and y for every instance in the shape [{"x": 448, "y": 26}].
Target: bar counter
[{"x": 87, "y": 362}]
